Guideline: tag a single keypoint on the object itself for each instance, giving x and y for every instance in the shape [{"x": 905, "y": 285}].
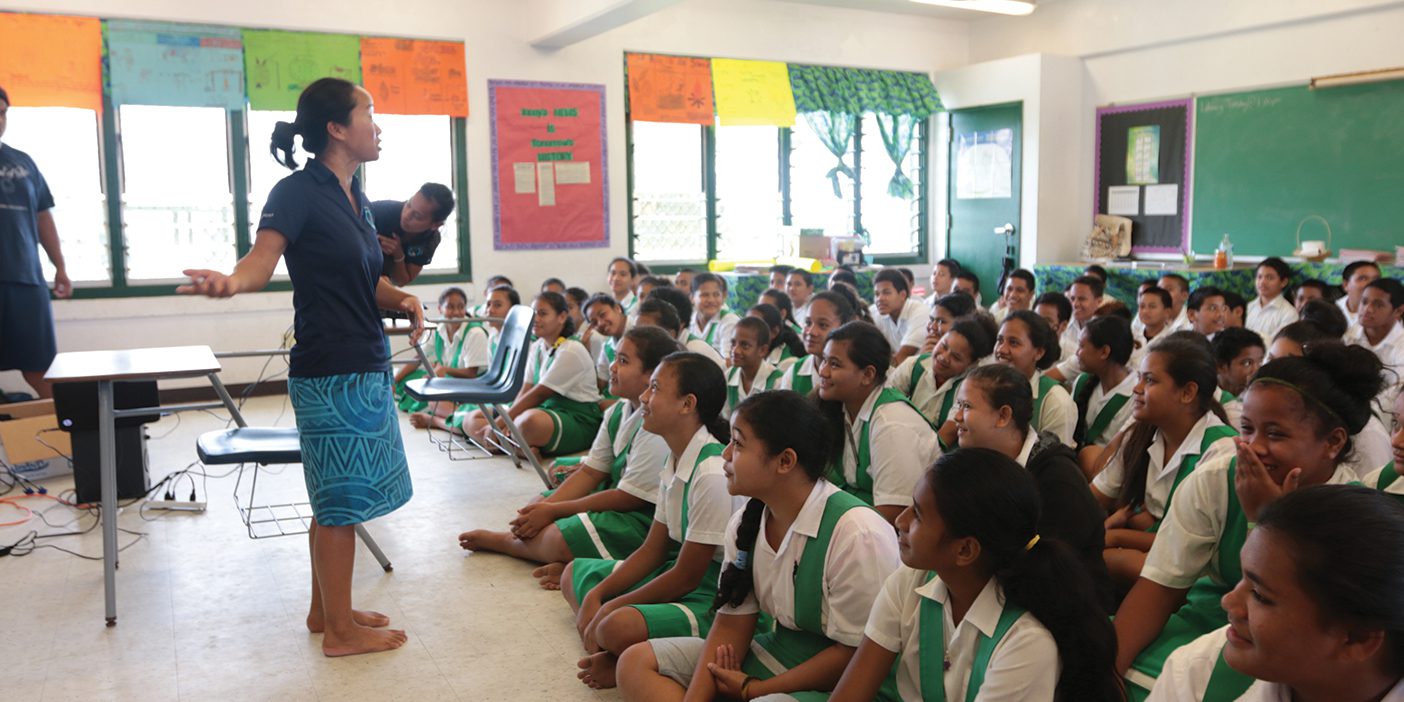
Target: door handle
[{"x": 1006, "y": 230}]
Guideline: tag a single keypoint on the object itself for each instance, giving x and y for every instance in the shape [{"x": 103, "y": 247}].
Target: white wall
[{"x": 497, "y": 33}]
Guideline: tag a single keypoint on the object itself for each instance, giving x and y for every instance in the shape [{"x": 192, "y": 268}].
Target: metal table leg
[{"x": 107, "y": 452}]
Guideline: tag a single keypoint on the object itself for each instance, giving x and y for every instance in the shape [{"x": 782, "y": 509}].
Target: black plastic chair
[{"x": 493, "y": 392}]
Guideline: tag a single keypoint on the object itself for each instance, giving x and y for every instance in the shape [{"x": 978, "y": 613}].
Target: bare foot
[
  {"x": 597, "y": 670},
  {"x": 421, "y": 420},
  {"x": 361, "y": 639},
  {"x": 483, "y": 540},
  {"x": 364, "y": 617},
  {"x": 549, "y": 576}
]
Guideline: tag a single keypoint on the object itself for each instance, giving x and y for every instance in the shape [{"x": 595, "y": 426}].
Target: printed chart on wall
[
  {"x": 1142, "y": 162},
  {"x": 548, "y": 151},
  {"x": 985, "y": 165}
]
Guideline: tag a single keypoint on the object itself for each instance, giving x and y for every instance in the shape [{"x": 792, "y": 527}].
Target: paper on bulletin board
[
  {"x": 415, "y": 76},
  {"x": 985, "y": 165},
  {"x": 1124, "y": 200},
  {"x": 51, "y": 60},
  {"x": 278, "y": 65},
  {"x": 548, "y": 153},
  {"x": 674, "y": 89},
  {"x": 183, "y": 65},
  {"x": 1143, "y": 155},
  {"x": 1163, "y": 200},
  {"x": 753, "y": 93}
]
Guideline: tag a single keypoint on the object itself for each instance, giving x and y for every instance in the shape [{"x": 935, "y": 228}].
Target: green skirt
[
  {"x": 689, "y": 616},
  {"x": 1200, "y": 615}
]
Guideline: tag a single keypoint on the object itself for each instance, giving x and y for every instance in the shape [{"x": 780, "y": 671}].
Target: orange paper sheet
[
  {"x": 670, "y": 89},
  {"x": 51, "y": 60},
  {"x": 415, "y": 77}
]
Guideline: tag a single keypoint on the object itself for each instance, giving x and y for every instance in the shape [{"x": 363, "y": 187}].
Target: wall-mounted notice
[
  {"x": 1163, "y": 200},
  {"x": 1124, "y": 200},
  {"x": 51, "y": 60},
  {"x": 1143, "y": 154},
  {"x": 185, "y": 65},
  {"x": 278, "y": 65},
  {"x": 985, "y": 165},
  {"x": 415, "y": 76},
  {"x": 753, "y": 92},
  {"x": 550, "y": 184},
  {"x": 670, "y": 89}
]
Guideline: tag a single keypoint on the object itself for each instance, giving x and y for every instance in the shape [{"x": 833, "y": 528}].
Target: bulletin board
[
  {"x": 1143, "y": 172},
  {"x": 550, "y": 186}
]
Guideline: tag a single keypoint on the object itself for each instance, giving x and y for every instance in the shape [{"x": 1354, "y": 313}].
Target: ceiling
[{"x": 904, "y": 7}]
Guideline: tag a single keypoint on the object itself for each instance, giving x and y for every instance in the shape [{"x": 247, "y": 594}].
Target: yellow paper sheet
[{"x": 753, "y": 93}]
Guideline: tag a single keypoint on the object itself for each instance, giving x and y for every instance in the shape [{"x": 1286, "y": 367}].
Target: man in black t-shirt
[{"x": 409, "y": 230}]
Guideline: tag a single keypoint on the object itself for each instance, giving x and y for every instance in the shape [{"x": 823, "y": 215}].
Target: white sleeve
[
  {"x": 647, "y": 457},
  {"x": 572, "y": 364},
  {"x": 902, "y": 446},
  {"x": 900, "y": 378},
  {"x": 601, "y": 456},
  {"x": 862, "y": 553},
  {"x": 726, "y": 328},
  {"x": 1024, "y": 666},
  {"x": 1069, "y": 366},
  {"x": 1185, "y": 675},
  {"x": 1189, "y": 534},
  {"x": 916, "y": 334},
  {"x": 475, "y": 352},
  {"x": 885, "y": 621},
  {"x": 534, "y": 356},
  {"x": 1059, "y": 415},
  {"x": 709, "y": 506},
  {"x": 602, "y": 364},
  {"x": 1113, "y": 476},
  {"x": 750, "y": 605}
]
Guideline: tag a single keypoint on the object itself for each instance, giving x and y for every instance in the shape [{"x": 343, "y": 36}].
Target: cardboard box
[
  {"x": 19, "y": 440},
  {"x": 813, "y": 247}
]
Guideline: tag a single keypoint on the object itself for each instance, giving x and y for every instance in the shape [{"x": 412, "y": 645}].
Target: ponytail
[
  {"x": 736, "y": 580},
  {"x": 782, "y": 334},
  {"x": 324, "y": 100}
]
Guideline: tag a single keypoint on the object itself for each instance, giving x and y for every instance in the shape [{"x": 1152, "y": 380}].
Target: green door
[{"x": 986, "y": 155}]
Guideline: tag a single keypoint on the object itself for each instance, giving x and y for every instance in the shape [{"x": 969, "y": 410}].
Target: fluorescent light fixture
[
  {"x": 1343, "y": 79},
  {"x": 1002, "y": 7}
]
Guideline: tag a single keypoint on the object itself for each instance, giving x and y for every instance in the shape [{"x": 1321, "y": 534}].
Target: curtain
[
  {"x": 898, "y": 134},
  {"x": 835, "y": 130}
]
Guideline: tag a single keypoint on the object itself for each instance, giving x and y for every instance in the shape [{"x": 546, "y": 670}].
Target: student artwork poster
[{"x": 549, "y": 186}]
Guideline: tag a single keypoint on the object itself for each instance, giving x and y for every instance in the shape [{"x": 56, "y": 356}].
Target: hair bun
[
  {"x": 283, "y": 133},
  {"x": 1357, "y": 375}
]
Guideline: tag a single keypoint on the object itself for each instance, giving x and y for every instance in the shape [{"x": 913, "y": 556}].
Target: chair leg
[
  {"x": 525, "y": 449},
  {"x": 374, "y": 547}
]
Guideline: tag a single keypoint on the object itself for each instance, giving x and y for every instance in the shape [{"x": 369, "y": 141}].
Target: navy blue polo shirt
[
  {"x": 23, "y": 194},
  {"x": 419, "y": 248},
  {"x": 334, "y": 261}
]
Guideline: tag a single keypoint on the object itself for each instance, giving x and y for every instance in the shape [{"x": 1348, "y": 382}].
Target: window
[
  {"x": 748, "y": 193},
  {"x": 893, "y": 223},
  {"x": 669, "y": 195},
  {"x": 416, "y": 149},
  {"x": 64, "y": 145},
  {"x": 812, "y": 195}
]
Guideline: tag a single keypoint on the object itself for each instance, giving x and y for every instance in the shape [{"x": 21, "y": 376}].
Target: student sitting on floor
[
  {"x": 1103, "y": 392},
  {"x": 555, "y": 285},
  {"x": 493, "y": 281},
  {"x": 648, "y": 283},
  {"x": 802, "y": 552},
  {"x": 931, "y": 379},
  {"x": 1308, "y": 290},
  {"x": 786, "y": 347},
  {"x": 1178, "y": 425},
  {"x": 799, "y": 287},
  {"x": 665, "y": 587},
  {"x": 711, "y": 318},
  {"x": 1354, "y": 279},
  {"x": 827, "y": 311},
  {"x": 667, "y": 311},
  {"x": 1270, "y": 311},
  {"x": 1236, "y": 310},
  {"x": 1386, "y": 479},
  {"x": 558, "y": 408},
  {"x": 457, "y": 350},
  {"x": 781, "y": 301},
  {"x": 1238, "y": 354},
  {"x": 1317, "y": 614},
  {"x": 884, "y": 442},
  {"x": 901, "y": 319},
  {"x": 1207, "y": 309},
  {"x": 605, "y": 507},
  {"x": 945, "y": 311},
  {"x": 1298, "y": 416},
  {"x": 446, "y": 415},
  {"x": 985, "y": 606},
  {"x": 750, "y": 372},
  {"x": 1026, "y": 343},
  {"x": 608, "y": 322},
  {"x": 620, "y": 278}
]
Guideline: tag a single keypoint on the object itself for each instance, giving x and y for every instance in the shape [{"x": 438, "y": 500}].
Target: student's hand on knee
[
  {"x": 727, "y": 673},
  {"x": 531, "y": 519},
  {"x": 585, "y": 616}
]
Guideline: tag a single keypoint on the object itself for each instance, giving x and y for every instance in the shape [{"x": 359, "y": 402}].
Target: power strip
[{"x": 176, "y": 506}]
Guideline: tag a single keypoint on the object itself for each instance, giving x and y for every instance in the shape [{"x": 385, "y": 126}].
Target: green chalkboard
[{"x": 1265, "y": 160}]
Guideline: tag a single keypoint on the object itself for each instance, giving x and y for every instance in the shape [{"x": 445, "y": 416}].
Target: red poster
[{"x": 550, "y": 187}]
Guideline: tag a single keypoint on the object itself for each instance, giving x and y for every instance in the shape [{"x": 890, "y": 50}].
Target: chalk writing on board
[{"x": 1240, "y": 104}]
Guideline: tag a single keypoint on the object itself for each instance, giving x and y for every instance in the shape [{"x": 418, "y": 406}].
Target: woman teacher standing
[{"x": 339, "y": 380}]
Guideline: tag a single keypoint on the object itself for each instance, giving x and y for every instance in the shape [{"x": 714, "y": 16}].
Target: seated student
[
  {"x": 802, "y": 552},
  {"x": 1308, "y": 290},
  {"x": 799, "y": 286},
  {"x": 884, "y": 441},
  {"x": 1326, "y": 315},
  {"x": 843, "y": 275},
  {"x": 584, "y": 332},
  {"x": 1085, "y": 294},
  {"x": 781, "y": 302},
  {"x": 828, "y": 311},
  {"x": 647, "y": 283},
  {"x": 901, "y": 319},
  {"x": 1317, "y": 614},
  {"x": 1238, "y": 353},
  {"x": 619, "y": 279},
  {"x": 665, "y": 587},
  {"x": 445, "y": 415},
  {"x": 1100, "y": 273},
  {"x": 409, "y": 231},
  {"x": 961, "y": 348},
  {"x": 1298, "y": 415},
  {"x": 458, "y": 349},
  {"x": 786, "y": 347},
  {"x": 1293, "y": 338},
  {"x": 1179, "y": 290},
  {"x": 1026, "y": 343},
  {"x": 1236, "y": 310},
  {"x": 1354, "y": 278},
  {"x": 1018, "y": 295},
  {"x": 604, "y": 508},
  {"x": 778, "y": 272},
  {"x": 1271, "y": 310},
  {"x": 1055, "y": 309},
  {"x": 967, "y": 282},
  {"x": 1208, "y": 311},
  {"x": 493, "y": 281},
  {"x": 555, "y": 285},
  {"x": 558, "y": 408},
  {"x": 665, "y": 313},
  {"x": 942, "y": 279},
  {"x": 1102, "y": 393},
  {"x": 1386, "y": 478},
  {"x": 1378, "y": 329},
  {"x": 607, "y": 323},
  {"x": 1153, "y": 311},
  {"x": 711, "y": 318},
  {"x": 682, "y": 280},
  {"x": 750, "y": 373},
  {"x": 1178, "y": 426},
  {"x": 985, "y": 605},
  {"x": 993, "y": 408}
]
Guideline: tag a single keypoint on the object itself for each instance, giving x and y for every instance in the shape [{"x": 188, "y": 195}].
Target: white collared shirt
[
  {"x": 1068, "y": 364},
  {"x": 1058, "y": 413},
  {"x": 1180, "y": 323},
  {"x": 628, "y": 304},
  {"x": 1100, "y": 398},
  {"x": 909, "y": 327},
  {"x": 477, "y": 347},
  {"x": 1187, "y": 544},
  {"x": 1352, "y": 318},
  {"x": 647, "y": 453},
  {"x": 805, "y": 367},
  {"x": 926, "y": 395},
  {"x": 602, "y": 359},
  {"x": 862, "y": 553},
  {"x": 1269, "y": 318},
  {"x": 571, "y": 373},
  {"x": 801, "y": 313},
  {"x": 900, "y": 446},
  {"x": 1024, "y": 665},
  {"x": 1185, "y": 677},
  {"x": 759, "y": 384},
  {"x": 692, "y": 343},
  {"x": 1370, "y": 448},
  {"x": 722, "y": 326},
  {"x": 1390, "y": 351},
  {"x": 709, "y": 505},
  {"x": 1373, "y": 479},
  {"x": 1026, "y": 451},
  {"x": 1160, "y": 473}
]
